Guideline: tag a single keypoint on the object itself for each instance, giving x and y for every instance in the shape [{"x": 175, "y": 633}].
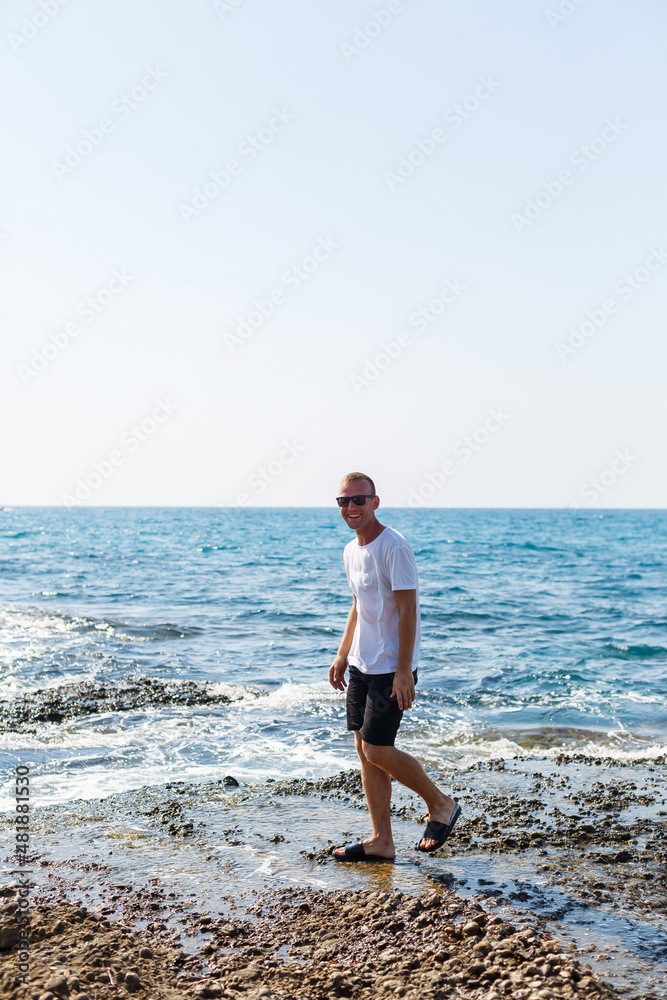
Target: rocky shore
[
  {"x": 72, "y": 701},
  {"x": 553, "y": 885},
  {"x": 300, "y": 944}
]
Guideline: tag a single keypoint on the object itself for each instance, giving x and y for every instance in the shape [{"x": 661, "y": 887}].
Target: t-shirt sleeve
[{"x": 402, "y": 568}]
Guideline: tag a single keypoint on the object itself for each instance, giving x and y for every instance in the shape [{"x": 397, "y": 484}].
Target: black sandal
[
  {"x": 357, "y": 853},
  {"x": 438, "y": 832}
]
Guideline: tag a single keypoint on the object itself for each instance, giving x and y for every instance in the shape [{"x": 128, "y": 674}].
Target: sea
[{"x": 544, "y": 632}]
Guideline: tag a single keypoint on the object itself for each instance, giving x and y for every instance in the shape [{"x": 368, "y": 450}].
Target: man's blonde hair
[{"x": 351, "y": 476}]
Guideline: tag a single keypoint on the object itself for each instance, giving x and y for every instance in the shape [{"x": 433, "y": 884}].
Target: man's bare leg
[
  {"x": 409, "y": 772},
  {"x": 377, "y": 789}
]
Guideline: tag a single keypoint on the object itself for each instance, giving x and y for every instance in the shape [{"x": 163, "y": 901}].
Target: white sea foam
[
  {"x": 102, "y": 777},
  {"x": 463, "y": 751},
  {"x": 290, "y": 695},
  {"x": 104, "y": 753},
  {"x": 641, "y": 699}
]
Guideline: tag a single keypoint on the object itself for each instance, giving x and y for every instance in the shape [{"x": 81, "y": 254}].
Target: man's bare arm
[
  {"x": 339, "y": 665},
  {"x": 404, "y": 685}
]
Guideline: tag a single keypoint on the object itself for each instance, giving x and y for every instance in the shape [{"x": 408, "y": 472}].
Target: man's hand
[
  {"x": 337, "y": 673},
  {"x": 403, "y": 689}
]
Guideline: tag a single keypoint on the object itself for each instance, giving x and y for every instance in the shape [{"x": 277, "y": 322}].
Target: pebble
[
  {"x": 57, "y": 984},
  {"x": 131, "y": 982}
]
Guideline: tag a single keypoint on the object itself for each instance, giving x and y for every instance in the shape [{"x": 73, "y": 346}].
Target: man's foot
[
  {"x": 442, "y": 813},
  {"x": 373, "y": 848}
]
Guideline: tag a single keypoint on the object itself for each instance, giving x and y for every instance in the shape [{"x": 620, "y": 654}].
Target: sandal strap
[
  {"x": 355, "y": 851},
  {"x": 434, "y": 830}
]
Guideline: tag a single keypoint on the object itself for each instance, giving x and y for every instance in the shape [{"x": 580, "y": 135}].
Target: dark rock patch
[{"x": 71, "y": 701}]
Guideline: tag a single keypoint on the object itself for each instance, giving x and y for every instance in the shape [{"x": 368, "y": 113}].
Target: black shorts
[{"x": 371, "y": 709}]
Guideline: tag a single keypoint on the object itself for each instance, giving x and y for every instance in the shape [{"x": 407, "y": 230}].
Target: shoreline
[
  {"x": 375, "y": 943},
  {"x": 569, "y": 850}
]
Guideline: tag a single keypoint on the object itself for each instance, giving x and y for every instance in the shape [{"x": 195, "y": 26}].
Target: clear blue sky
[{"x": 478, "y": 187}]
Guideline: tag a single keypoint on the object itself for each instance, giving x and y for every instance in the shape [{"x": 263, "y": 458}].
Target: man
[{"x": 381, "y": 648}]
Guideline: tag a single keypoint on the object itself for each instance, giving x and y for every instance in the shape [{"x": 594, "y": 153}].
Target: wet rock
[
  {"x": 206, "y": 990},
  {"x": 9, "y": 936},
  {"x": 623, "y": 856},
  {"x": 70, "y": 701},
  {"x": 131, "y": 982},
  {"x": 57, "y": 984}
]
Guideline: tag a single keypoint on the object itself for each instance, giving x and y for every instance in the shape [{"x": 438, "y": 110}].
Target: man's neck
[{"x": 370, "y": 533}]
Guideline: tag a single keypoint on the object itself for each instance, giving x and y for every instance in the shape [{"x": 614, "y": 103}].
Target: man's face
[{"x": 355, "y": 517}]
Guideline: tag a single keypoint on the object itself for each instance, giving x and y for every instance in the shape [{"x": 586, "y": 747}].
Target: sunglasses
[{"x": 358, "y": 501}]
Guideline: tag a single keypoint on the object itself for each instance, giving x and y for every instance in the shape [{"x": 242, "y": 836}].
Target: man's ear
[{"x": 376, "y": 502}]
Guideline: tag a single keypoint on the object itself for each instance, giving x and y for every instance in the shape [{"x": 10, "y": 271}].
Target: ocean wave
[
  {"x": 102, "y": 771},
  {"x": 534, "y": 547},
  {"x": 613, "y": 650},
  {"x": 29, "y": 622},
  {"x": 291, "y": 695},
  {"x": 469, "y": 617},
  {"x": 550, "y": 741}
]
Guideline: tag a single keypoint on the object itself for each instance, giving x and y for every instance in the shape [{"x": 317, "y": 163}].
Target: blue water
[{"x": 544, "y": 631}]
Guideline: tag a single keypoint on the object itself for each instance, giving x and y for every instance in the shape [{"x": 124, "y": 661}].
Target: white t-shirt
[{"x": 374, "y": 571}]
